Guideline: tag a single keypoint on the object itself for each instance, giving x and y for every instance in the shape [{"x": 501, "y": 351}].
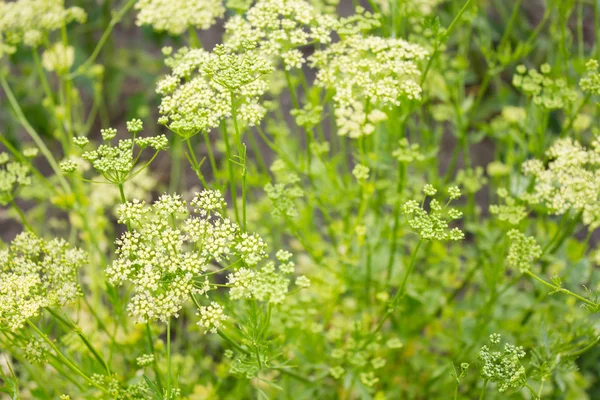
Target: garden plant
[{"x": 299, "y": 199}]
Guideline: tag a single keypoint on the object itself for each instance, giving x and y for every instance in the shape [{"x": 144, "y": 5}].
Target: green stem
[
  {"x": 561, "y": 289},
  {"x": 232, "y": 184},
  {"x": 194, "y": 161},
  {"x": 169, "y": 359},
  {"x": 114, "y": 21},
  {"x": 510, "y": 23},
  {"x": 241, "y": 155},
  {"x": 34, "y": 135},
  {"x": 411, "y": 266},
  {"x": 153, "y": 351},
  {"x": 394, "y": 245},
  {"x": 123, "y": 201},
  {"x": 482, "y": 395},
  {"x": 175, "y": 174},
  {"x": 86, "y": 342},
  {"x": 447, "y": 34},
  {"x": 567, "y": 127},
  {"x": 43, "y": 79},
  {"x": 21, "y": 215},
  {"x": 586, "y": 348},
  {"x": 394, "y": 302},
  {"x": 533, "y": 392},
  {"x": 64, "y": 359},
  {"x": 232, "y": 342},
  {"x": 211, "y": 155}
]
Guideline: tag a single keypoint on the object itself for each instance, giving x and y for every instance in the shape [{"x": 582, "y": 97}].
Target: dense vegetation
[{"x": 299, "y": 199}]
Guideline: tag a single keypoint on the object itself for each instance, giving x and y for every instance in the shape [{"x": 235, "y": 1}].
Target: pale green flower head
[
  {"x": 569, "y": 181},
  {"x": 523, "y": 251},
  {"x": 590, "y": 83},
  {"x": 28, "y": 22},
  {"x": 432, "y": 224},
  {"x": 203, "y": 88},
  {"x": 211, "y": 317},
  {"x": 510, "y": 211},
  {"x": 279, "y": 27},
  {"x": 177, "y": 16},
  {"x": 503, "y": 368},
  {"x": 167, "y": 255},
  {"x": 471, "y": 179},
  {"x": 13, "y": 175},
  {"x": 546, "y": 91},
  {"x": 408, "y": 152},
  {"x": 117, "y": 164},
  {"x": 58, "y": 58},
  {"x": 36, "y": 274},
  {"x": 309, "y": 116},
  {"x": 368, "y": 75},
  {"x": 361, "y": 172}
]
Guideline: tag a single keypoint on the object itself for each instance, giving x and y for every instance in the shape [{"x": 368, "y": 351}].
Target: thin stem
[
  {"x": 194, "y": 161},
  {"x": 447, "y": 34},
  {"x": 211, "y": 155},
  {"x": 169, "y": 359},
  {"x": 561, "y": 289},
  {"x": 232, "y": 185},
  {"x": 482, "y": 395},
  {"x": 21, "y": 215},
  {"x": 393, "y": 247},
  {"x": 83, "y": 338},
  {"x": 123, "y": 201},
  {"x": 175, "y": 174},
  {"x": 241, "y": 156},
  {"x": 510, "y": 23},
  {"x": 586, "y": 348},
  {"x": 411, "y": 266},
  {"x": 394, "y": 302},
  {"x": 153, "y": 351},
  {"x": 34, "y": 135},
  {"x": 114, "y": 21},
  {"x": 64, "y": 359},
  {"x": 43, "y": 79},
  {"x": 567, "y": 127},
  {"x": 232, "y": 342},
  {"x": 533, "y": 392}
]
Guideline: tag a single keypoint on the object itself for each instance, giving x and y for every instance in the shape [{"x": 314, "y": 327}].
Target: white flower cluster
[
  {"x": 28, "y": 21},
  {"x": 433, "y": 224},
  {"x": 12, "y": 175},
  {"x": 211, "y": 317},
  {"x": 546, "y": 91},
  {"x": 591, "y": 82},
  {"x": 411, "y": 9},
  {"x": 268, "y": 284},
  {"x": 361, "y": 172},
  {"x": 510, "y": 211},
  {"x": 284, "y": 193},
  {"x": 523, "y": 251},
  {"x": 407, "y": 152},
  {"x": 368, "y": 75},
  {"x": 35, "y": 274},
  {"x": 570, "y": 181},
  {"x": 167, "y": 253},
  {"x": 116, "y": 163},
  {"x": 204, "y": 87},
  {"x": 36, "y": 351},
  {"x": 58, "y": 58},
  {"x": 278, "y": 27},
  {"x": 503, "y": 368},
  {"x": 145, "y": 360},
  {"x": 177, "y": 16}
]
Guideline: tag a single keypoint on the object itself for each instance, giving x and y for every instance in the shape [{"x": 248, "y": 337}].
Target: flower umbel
[{"x": 35, "y": 274}]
